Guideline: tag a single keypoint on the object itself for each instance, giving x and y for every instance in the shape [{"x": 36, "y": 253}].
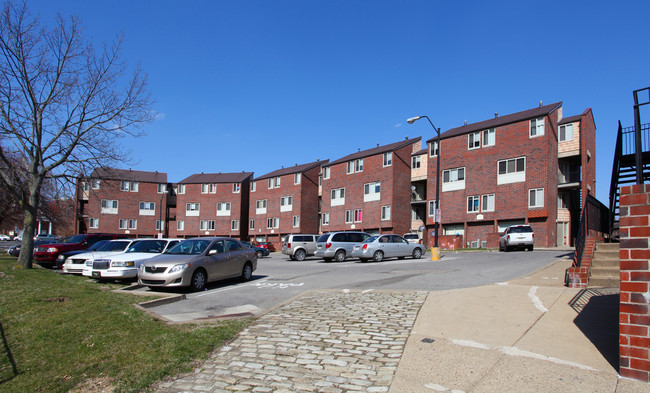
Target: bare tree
[{"x": 62, "y": 107}]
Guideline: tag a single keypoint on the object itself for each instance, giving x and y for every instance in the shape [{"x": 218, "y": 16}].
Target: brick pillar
[{"x": 635, "y": 283}]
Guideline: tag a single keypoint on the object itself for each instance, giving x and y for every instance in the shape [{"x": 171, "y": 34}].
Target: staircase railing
[
  {"x": 581, "y": 237},
  {"x": 596, "y": 218},
  {"x": 613, "y": 188}
]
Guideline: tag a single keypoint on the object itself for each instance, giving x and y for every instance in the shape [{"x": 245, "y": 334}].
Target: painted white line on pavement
[
  {"x": 467, "y": 343},
  {"x": 512, "y": 351},
  {"x": 532, "y": 294},
  {"x": 440, "y": 388}
]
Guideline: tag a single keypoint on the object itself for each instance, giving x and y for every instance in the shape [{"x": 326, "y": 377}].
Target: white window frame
[
  {"x": 135, "y": 186},
  {"x": 388, "y": 158},
  {"x": 234, "y": 225},
  {"x": 416, "y": 162},
  {"x": 274, "y": 182},
  {"x": 122, "y": 224},
  {"x": 297, "y": 178},
  {"x": 433, "y": 149},
  {"x": 192, "y": 209},
  {"x": 338, "y": 196},
  {"x": 180, "y": 225},
  {"x": 160, "y": 225},
  {"x": 236, "y": 188},
  {"x": 349, "y": 217},
  {"x": 510, "y": 175},
  {"x": 260, "y": 206},
  {"x": 181, "y": 189},
  {"x": 223, "y": 209},
  {"x": 474, "y": 140},
  {"x": 371, "y": 192},
  {"x": 536, "y": 129},
  {"x": 358, "y": 215},
  {"x": 487, "y": 202},
  {"x": 326, "y": 172},
  {"x": 431, "y": 208},
  {"x": 385, "y": 213},
  {"x": 286, "y": 203},
  {"x": 455, "y": 179},
  {"x": 95, "y": 184},
  {"x": 253, "y": 186},
  {"x": 539, "y": 198},
  {"x": 109, "y": 206},
  {"x": 325, "y": 219},
  {"x": 147, "y": 208},
  {"x": 251, "y": 224},
  {"x": 354, "y": 166},
  {"x": 125, "y": 186},
  {"x": 93, "y": 223},
  {"x": 296, "y": 221},
  {"x": 563, "y": 130},
  {"x": 473, "y": 204},
  {"x": 133, "y": 224},
  {"x": 162, "y": 188},
  {"x": 488, "y": 137}
]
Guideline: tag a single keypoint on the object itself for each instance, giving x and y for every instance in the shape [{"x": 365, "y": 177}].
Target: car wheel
[
  {"x": 417, "y": 253},
  {"x": 530, "y": 248},
  {"x": 339, "y": 256},
  {"x": 260, "y": 254},
  {"x": 199, "y": 279},
  {"x": 378, "y": 256},
  {"x": 300, "y": 255},
  {"x": 247, "y": 272}
]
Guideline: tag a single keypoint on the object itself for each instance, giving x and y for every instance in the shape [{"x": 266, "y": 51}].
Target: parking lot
[{"x": 279, "y": 279}]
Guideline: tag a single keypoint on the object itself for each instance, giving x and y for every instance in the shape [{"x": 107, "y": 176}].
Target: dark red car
[
  {"x": 267, "y": 245},
  {"x": 46, "y": 254}
]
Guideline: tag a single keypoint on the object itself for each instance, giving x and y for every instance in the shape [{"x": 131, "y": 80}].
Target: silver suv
[
  {"x": 517, "y": 236},
  {"x": 338, "y": 245},
  {"x": 299, "y": 246}
]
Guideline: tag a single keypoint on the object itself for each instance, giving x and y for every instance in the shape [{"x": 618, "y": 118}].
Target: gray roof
[
  {"x": 499, "y": 121},
  {"x": 130, "y": 175},
  {"x": 377, "y": 150},
  {"x": 571, "y": 119},
  {"x": 292, "y": 169},
  {"x": 201, "y": 178}
]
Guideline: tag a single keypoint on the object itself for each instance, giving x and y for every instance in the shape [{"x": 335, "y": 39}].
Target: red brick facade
[{"x": 635, "y": 282}]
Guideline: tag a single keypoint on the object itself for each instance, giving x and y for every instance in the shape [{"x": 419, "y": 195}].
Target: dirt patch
[{"x": 95, "y": 385}]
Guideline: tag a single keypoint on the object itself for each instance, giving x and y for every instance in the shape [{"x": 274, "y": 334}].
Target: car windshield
[
  {"x": 74, "y": 239},
  {"x": 151, "y": 246},
  {"x": 99, "y": 246},
  {"x": 190, "y": 247},
  {"x": 114, "y": 245},
  {"x": 520, "y": 229}
]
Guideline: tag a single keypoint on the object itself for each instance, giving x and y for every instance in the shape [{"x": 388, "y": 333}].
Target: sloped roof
[
  {"x": 499, "y": 121},
  {"x": 377, "y": 150},
  {"x": 570, "y": 119},
  {"x": 292, "y": 169},
  {"x": 130, "y": 175},
  {"x": 201, "y": 178},
  {"x": 420, "y": 152}
]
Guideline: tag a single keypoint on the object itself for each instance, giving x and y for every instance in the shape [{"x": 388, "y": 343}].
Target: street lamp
[{"x": 434, "y": 253}]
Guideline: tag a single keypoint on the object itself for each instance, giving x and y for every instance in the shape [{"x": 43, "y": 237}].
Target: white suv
[{"x": 517, "y": 236}]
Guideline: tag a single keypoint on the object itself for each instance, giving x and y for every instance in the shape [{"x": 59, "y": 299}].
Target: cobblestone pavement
[{"x": 322, "y": 341}]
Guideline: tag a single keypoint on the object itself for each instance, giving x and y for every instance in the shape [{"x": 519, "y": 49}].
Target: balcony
[{"x": 569, "y": 178}]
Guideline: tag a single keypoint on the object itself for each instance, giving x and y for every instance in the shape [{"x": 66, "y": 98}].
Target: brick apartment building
[
  {"x": 129, "y": 202},
  {"x": 212, "y": 204},
  {"x": 285, "y": 201},
  {"x": 531, "y": 167},
  {"x": 369, "y": 190}
]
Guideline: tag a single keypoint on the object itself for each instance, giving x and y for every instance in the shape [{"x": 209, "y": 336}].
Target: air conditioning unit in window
[{"x": 475, "y": 244}]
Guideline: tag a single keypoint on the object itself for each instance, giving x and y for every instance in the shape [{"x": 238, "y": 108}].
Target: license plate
[{"x": 97, "y": 274}]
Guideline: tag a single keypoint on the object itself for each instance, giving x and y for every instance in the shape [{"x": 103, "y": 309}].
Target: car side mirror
[{"x": 212, "y": 252}]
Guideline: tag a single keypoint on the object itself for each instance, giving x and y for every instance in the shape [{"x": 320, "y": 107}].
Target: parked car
[
  {"x": 261, "y": 252},
  {"x": 5, "y": 238},
  {"x": 379, "y": 247},
  {"x": 18, "y": 238},
  {"x": 268, "y": 245},
  {"x": 46, "y": 255},
  {"x": 74, "y": 262},
  {"x": 413, "y": 238},
  {"x": 517, "y": 236},
  {"x": 338, "y": 245},
  {"x": 195, "y": 262},
  {"x": 125, "y": 265},
  {"x": 50, "y": 237},
  {"x": 15, "y": 250},
  {"x": 299, "y": 246}
]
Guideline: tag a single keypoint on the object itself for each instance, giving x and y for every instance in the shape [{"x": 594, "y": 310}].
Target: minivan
[
  {"x": 338, "y": 245},
  {"x": 299, "y": 246}
]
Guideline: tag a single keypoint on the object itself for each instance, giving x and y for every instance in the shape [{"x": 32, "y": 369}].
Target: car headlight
[
  {"x": 60, "y": 258},
  {"x": 178, "y": 268},
  {"x": 52, "y": 249},
  {"x": 89, "y": 262},
  {"x": 122, "y": 264}
]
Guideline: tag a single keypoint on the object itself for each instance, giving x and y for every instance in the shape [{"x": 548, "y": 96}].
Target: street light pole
[{"x": 436, "y": 215}]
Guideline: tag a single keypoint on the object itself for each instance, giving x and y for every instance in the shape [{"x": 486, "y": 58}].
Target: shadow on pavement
[{"x": 598, "y": 317}]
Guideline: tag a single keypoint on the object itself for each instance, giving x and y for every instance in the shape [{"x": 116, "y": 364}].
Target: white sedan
[
  {"x": 76, "y": 263},
  {"x": 125, "y": 265},
  {"x": 385, "y": 246},
  {"x": 5, "y": 238}
]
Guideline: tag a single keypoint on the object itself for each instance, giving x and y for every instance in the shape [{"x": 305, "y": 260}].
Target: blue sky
[{"x": 258, "y": 85}]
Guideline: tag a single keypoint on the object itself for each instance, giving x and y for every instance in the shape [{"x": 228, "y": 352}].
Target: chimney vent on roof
[
  {"x": 540, "y": 103},
  {"x": 377, "y": 144},
  {"x": 496, "y": 114},
  {"x": 407, "y": 137},
  {"x": 465, "y": 122},
  {"x": 358, "y": 149}
]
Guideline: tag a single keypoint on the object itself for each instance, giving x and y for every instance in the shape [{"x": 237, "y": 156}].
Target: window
[
  {"x": 94, "y": 184},
  {"x": 181, "y": 189},
  {"x": 274, "y": 182},
  {"x": 536, "y": 197},
  {"x": 474, "y": 140},
  {"x": 473, "y": 204},
  {"x": 109, "y": 206},
  {"x": 223, "y": 209},
  {"x": 253, "y": 186},
  {"x": 511, "y": 171},
  {"x": 349, "y": 216},
  {"x": 260, "y": 206},
  {"x": 180, "y": 225},
  {"x": 537, "y": 127},
  {"x": 210, "y": 225},
  {"x": 489, "y": 138},
  {"x": 236, "y": 188},
  {"x": 385, "y": 213},
  {"x": 563, "y": 200},
  {"x": 147, "y": 208},
  {"x": 388, "y": 158},
  {"x": 234, "y": 225},
  {"x": 415, "y": 162},
  {"x": 338, "y": 197},
  {"x": 208, "y": 188},
  {"x": 372, "y": 192},
  {"x": 133, "y": 224},
  {"x": 162, "y": 188},
  {"x": 355, "y": 166},
  {"x": 326, "y": 172},
  {"x": 85, "y": 185},
  {"x": 286, "y": 204},
  {"x": 297, "y": 177},
  {"x": 433, "y": 149},
  {"x": 122, "y": 224},
  {"x": 296, "y": 221},
  {"x": 192, "y": 209},
  {"x": 566, "y": 132},
  {"x": 160, "y": 225},
  {"x": 272, "y": 223},
  {"x": 251, "y": 224},
  {"x": 453, "y": 179},
  {"x": 432, "y": 208},
  {"x": 326, "y": 219},
  {"x": 93, "y": 223},
  {"x": 358, "y": 215},
  {"x": 487, "y": 203},
  {"x": 124, "y": 186},
  {"x": 353, "y": 216},
  {"x": 135, "y": 186}
]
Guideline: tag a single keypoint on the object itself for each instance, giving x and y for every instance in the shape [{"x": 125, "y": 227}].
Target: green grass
[{"x": 58, "y": 331}]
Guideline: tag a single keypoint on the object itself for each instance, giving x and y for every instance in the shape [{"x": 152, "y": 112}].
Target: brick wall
[{"x": 635, "y": 283}]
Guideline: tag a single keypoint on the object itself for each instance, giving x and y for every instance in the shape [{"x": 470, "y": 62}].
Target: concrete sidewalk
[{"x": 527, "y": 335}]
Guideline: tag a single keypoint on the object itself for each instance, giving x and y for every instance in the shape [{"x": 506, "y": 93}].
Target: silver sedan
[{"x": 386, "y": 246}]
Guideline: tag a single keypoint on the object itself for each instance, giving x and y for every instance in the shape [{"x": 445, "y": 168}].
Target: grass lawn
[{"x": 59, "y": 331}]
